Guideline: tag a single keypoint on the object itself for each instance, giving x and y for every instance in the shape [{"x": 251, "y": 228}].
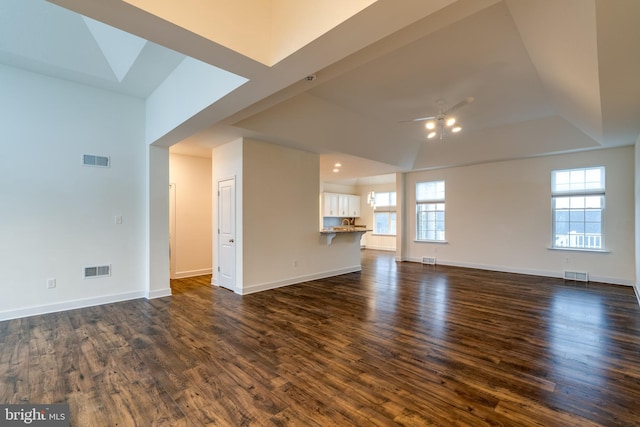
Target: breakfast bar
[{"x": 352, "y": 231}]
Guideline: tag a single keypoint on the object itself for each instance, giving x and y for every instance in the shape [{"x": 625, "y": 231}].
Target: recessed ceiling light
[
  {"x": 456, "y": 129},
  {"x": 337, "y": 165},
  {"x": 336, "y": 170},
  {"x": 431, "y": 135}
]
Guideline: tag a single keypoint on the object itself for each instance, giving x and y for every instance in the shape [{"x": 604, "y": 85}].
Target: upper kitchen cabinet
[
  {"x": 330, "y": 204},
  {"x": 354, "y": 206},
  {"x": 340, "y": 205}
]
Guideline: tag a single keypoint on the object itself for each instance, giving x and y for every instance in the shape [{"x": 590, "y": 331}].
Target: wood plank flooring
[{"x": 395, "y": 344}]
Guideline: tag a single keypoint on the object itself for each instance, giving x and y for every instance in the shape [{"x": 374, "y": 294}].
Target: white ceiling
[
  {"x": 548, "y": 76},
  {"x": 44, "y": 38}
]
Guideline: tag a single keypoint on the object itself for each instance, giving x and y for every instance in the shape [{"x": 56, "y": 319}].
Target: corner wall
[
  {"x": 278, "y": 242},
  {"x": 281, "y": 241}
]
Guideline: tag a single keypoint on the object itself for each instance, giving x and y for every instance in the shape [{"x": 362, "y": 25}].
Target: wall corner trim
[
  {"x": 160, "y": 293},
  {"x": 300, "y": 279}
]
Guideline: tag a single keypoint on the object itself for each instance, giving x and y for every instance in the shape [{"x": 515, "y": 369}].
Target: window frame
[
  {"x": 586, "y": 190},
  {"x": 437, "y": 201},
  {"x": 389, "y": 208}
]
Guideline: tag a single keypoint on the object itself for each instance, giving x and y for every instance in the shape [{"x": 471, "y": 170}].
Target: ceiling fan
[{"x": 445, "y": 121}]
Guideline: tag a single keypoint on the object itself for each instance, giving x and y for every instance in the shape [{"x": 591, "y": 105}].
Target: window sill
[
  {"x": 431, "y": 241},
  {"x": 383, "y": 234},
  {"x": 598, "y": 251}
]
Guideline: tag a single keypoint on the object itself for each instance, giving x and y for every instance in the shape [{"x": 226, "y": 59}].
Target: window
[
  {"x": 577, "y": 198},
  {"x": 385, "y": 213},
  {"x": 430, "y": 210}
]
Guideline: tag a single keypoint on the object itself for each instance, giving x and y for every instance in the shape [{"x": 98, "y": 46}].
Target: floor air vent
[
  {"x": 97, "y": 271},
  {"x": 429, "y": 260},
  {"x": 578, "y": 276},
  {"x": 97, "y": 161}
]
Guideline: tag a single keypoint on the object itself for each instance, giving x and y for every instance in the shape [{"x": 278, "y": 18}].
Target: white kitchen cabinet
[
  {"x": 340, "y": 205},
  {"x": 354, "y": 206},
  {"x": 330, "y": 204},
  {"x": 343, "y": 205}
]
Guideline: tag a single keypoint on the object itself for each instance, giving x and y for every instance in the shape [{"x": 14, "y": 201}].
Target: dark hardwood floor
[{"x": 396, "y": 344}]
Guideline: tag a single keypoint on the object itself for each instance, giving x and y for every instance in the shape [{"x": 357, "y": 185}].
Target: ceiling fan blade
[
  {"x": 460, "y": 104},
  {"x": 420, "y": 119}
]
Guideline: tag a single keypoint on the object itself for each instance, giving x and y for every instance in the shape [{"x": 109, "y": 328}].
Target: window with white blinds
[{"x": 430, "y": 208}]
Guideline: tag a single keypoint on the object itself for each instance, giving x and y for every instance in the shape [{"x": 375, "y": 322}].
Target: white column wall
[
  {"x": 157, "y": 240},
  {"x": 637, "y": 217}
]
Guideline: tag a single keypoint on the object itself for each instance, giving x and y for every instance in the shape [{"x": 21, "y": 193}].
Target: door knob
[{"x": 230, "y": 240}]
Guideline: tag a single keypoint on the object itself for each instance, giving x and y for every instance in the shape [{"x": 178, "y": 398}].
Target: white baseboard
[
  {"x": 192, "y": 273},
  {"x": 531, "y": 272},
  {"x": 380, "y": 248},
  {"x": 292, "y": 281},
  {"x": 70, "y": 305},
  {"x": 636, "y": 289},
  {"x": 160, "y": 293}
]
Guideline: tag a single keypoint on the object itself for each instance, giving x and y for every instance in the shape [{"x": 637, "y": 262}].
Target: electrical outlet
[
  {"x": 51, "y": 283},
  {"x": 118, "y": 219}
]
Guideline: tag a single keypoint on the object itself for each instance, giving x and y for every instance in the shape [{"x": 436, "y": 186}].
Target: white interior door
[{"x": 227, "y": 233}]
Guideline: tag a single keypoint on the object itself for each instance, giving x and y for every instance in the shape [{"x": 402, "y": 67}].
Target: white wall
[
  {"x": 57, "y": 216},
  {"x": 371, "y": 240},
  {"x": 637, "y": 216},
  {"x": 330, "y": 187},
  {"x": 226, "y": 163},
  {"x": 282, "y": 244},
  {"x": 279, "y": 243},
  {"x": 157, "y": 227},
  {"x": 498, "y": 217},
  {"x": 191, "y": 177},
  {"x": 190, "y": 88}
]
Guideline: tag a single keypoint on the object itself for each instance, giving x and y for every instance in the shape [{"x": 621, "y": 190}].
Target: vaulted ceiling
[{"x": 547, "y": 76}]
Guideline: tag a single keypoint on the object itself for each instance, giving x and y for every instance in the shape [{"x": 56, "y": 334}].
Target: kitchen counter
[{"x": 356, "y": 231}]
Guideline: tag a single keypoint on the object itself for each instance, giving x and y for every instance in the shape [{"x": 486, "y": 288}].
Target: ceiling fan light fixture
[{"x": 444, "y": 122}]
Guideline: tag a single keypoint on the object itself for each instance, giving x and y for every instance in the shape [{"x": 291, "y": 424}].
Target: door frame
[
  {"x": 172, "y": 230},
  {"x": 219, "y": 243}
]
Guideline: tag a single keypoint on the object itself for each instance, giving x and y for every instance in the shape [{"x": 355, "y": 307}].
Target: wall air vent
[
  {"x": 429, "y": 260},
  {"x": 96, "y": 161},
  {"x": 578, "y": 276},
  {"x": 97, "y": 271}
]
